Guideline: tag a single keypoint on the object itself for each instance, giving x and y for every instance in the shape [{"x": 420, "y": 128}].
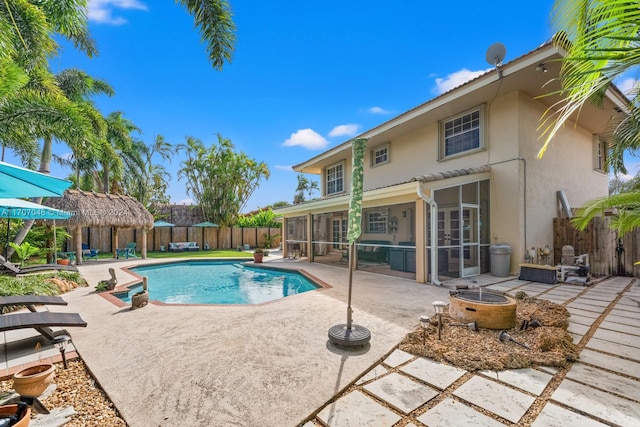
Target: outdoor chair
[
  {"x": 89, "y": 253},
  {"x": 40, "y": 321},
  {"x": 131, "y": 250}
]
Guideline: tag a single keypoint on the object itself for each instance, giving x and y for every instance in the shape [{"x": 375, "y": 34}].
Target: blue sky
[{"x": 306, "y": 75}]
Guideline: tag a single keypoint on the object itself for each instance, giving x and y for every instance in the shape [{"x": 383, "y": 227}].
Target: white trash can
[{"x": 500, "y": 259}]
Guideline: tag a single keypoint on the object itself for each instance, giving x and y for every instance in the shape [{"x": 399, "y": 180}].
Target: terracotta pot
[
  {"x": 33, "y": 381},
  {"x": 63, "y": 261},
  {"x": 8, "y": 410},
  {"x": 257, "y": 257}
]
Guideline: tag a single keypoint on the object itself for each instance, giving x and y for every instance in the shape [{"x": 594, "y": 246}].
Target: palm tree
[
  {"x": 602, "y": 39},
  {"x": 144, "y": 180}
]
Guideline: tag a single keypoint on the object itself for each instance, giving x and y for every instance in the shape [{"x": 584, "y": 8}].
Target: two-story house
[{"x": 459, "y": 173}]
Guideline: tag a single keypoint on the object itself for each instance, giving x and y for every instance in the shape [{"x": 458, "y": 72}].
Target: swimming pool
[{"x": 217, "y": 282}]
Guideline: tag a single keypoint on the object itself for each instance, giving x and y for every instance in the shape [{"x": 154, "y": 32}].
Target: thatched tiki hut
[{"x": 102, "y": 210}]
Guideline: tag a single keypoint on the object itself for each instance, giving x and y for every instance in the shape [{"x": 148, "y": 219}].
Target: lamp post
[
  {"x": 60, "y": 342},
  {"x": 439, "y": 306},
  {"x": 424, "y": 321}
]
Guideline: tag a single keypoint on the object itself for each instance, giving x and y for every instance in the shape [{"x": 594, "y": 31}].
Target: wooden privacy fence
[
  {"x": 212, "y": 237},
  {"x": 608, "y": 255}
]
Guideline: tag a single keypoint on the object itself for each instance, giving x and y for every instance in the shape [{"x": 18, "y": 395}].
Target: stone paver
[
  {"x": 402, "y": 393},
  {"x": 628, "y": 308},
  {"x": 612, "y": 363},
  {"x": 497, "y": 398},
  {"x": 450, "y": 413},
  {"x": 397, "y": 358},
  {"x": 434, "y": 373},
  {"x": 376, "y": 372},
  {"x": 357, "y": 410},
  {"x": 605, "y": 381},
  {"x": 527, "y": 379},
  {"x": 583, "y": 320},
  {"x": 614, "y": 348},
  {"x": 623, "y": 320},
  {"x": 576, "y": 328},
  {"x": 588, "y": 301},
  {"x": 598, "y": 403},
  {"x": 585, "y": 307},
  {"x": 618, "y": 337},
  {"x": 556, "y": 416},
  {"x": 620, "y": 327},
  {"x": 624, "y": 313},
  {"x": 579, "y": 312}
]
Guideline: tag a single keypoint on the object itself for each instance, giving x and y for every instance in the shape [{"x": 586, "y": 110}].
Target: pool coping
[{"x": 109, "y": 295}]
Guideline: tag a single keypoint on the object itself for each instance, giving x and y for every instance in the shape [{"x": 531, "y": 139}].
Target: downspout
[{"x": 433, "y": 215}]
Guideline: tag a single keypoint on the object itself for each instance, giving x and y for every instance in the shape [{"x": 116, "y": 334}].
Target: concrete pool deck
[
  {"x": 267, "y": 365},
  {"x": 272, "y": 365}
]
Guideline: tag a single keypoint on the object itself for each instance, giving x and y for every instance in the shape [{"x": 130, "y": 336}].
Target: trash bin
[{"x": 500, "y": 259}]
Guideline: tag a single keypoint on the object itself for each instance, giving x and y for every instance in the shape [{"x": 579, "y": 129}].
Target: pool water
[{"x": 217, "y": 282}]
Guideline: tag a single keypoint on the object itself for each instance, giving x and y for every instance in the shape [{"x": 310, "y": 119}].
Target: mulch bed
[{"x": 551, "y": 344}]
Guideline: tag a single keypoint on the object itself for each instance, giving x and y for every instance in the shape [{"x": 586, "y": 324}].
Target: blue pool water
[{"x": 217, "y": 282}]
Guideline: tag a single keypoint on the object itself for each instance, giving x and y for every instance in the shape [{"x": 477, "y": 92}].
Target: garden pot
[
  {"x": 257, "y": 257},
  {"x": 63, "y": 261},
  {"x": 9, "y": 410},
  {"x": 33, "y": 381}
]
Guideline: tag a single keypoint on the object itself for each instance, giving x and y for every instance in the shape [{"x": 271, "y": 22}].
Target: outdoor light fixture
[
  {"x": 424, "y": 321},
  {"x": 60, "y": 342},
  {"x": 439, "y": 306},
  {"x": 541, "y": 67}
]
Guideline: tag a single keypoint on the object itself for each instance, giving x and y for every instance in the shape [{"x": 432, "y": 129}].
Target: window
[
  {"x": 377, "y": 222},
  {"x": 599, "y": 154},
  {"x": 462, "y": 133},
  {"x": 380, "y": 155},
  {"x": 335, "y": 179}
]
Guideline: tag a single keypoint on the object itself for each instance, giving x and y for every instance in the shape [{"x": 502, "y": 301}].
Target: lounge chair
[
  {"x": 41, "y": 321},
  {"x": 13, "y": 270},
  {"x": 30, "y": 301},
  {"x": 89, "y": 253}
]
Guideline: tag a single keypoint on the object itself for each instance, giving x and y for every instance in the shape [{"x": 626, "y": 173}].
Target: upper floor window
[
  {"x": 462, "y": 133},
  {"x": 599, "y": 154},
  {"x": 335, "y": 179},
  {"x": 377, "y": 222},
  {"x": 380, "y": 155}
]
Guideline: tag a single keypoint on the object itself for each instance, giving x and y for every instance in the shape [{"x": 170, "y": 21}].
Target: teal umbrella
[
  {"x": 350, "y": 334},
  {"x": 206, "y": 224},
  {"x": 203, "y": 225},
  {"x": 20, "y": 182},
  {"x": 162, "y": 224}
]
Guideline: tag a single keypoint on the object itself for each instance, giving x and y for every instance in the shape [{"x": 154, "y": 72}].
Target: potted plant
[
  {"x": 258, "y": 254},
  {"x": 34, "y": 380},
  {"x": 63, "y": 259}
]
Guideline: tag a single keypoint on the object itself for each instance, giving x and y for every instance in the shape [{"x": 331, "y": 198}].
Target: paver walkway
[{"x": 602, "y": 389}]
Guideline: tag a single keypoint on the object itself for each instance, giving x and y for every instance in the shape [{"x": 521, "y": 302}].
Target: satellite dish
[{"x": 495, "y": 54}]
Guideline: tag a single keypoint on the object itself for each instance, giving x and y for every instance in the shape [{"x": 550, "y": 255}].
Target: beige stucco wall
[{"x": 518, "y": 178}]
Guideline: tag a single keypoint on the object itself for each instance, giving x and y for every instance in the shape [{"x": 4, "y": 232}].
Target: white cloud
[
  {"x": 101, "y": 11},
  {"x": 344, "y": 130},
  {"x": 287, "y": 168},
  {"x": 454, "y": 80},
  {"x": 307, "y": 138},
  {"x": 627, "y": 85},
  {"x": 378, "y": 110}
]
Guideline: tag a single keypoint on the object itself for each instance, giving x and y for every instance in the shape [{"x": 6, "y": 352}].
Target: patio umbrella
[
  {"x": 203, "y": 225},
  {"x": 350, "y": 334},
  {"x": 161, "y": 224},
  {"x": 21, "y": 209},
  {"x": 20, "y": 182}
]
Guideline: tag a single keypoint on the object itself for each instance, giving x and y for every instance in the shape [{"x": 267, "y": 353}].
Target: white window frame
[
  {"x": 377, "y": 222},
  {"x": 341, "y": 178},
  {"x": 464, "y": 126},
  {"x": 599, "y": 154},
  {"x": 375, "y": 156}
]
